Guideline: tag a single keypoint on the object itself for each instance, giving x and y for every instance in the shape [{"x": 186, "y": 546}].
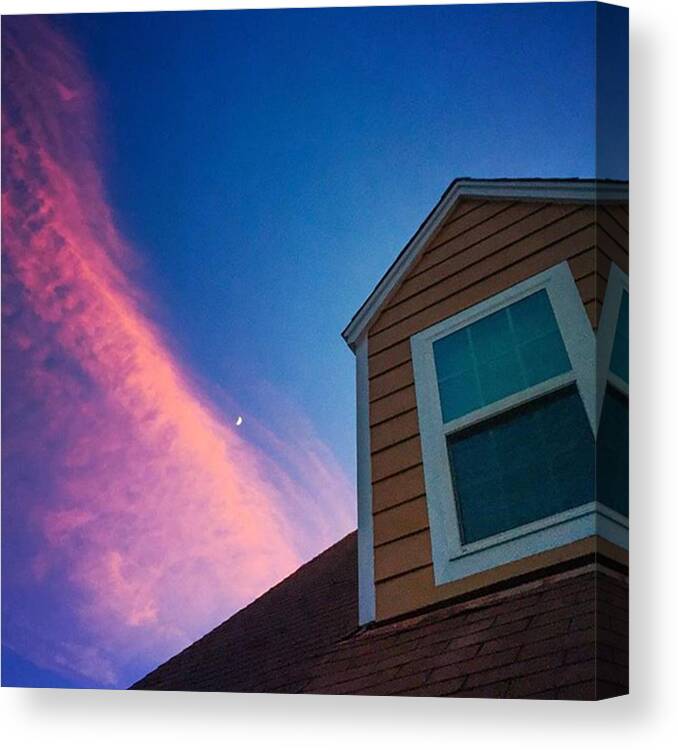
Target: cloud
[{"x": 134, "y": 516}]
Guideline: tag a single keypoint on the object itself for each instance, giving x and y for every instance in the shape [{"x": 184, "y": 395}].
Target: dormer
[{"x": 492, "y": 395}]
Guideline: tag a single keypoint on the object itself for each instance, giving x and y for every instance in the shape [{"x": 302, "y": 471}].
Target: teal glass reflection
[
  {"x": 499, "y": 355},
  {"x": 612, "y": 450},
  {"x": 530, "y": 463},
  {"x": 619, "y": 362}
]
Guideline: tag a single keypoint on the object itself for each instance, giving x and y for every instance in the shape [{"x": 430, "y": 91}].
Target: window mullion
[{"x": 510, "y": 402}]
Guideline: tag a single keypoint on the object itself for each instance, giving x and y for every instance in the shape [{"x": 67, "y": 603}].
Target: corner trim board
[{"x": 366, "y": 585}]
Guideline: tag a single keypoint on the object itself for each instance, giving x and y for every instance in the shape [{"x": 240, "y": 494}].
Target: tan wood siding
[
  {"x": 589, "y": 286},
  {"x": 391, "y": 380},
  {"x": 593, "y": 309},
  {"x": 416, "y": 588},
  {"x": 620, "y": 214},
  {"x": 395, "y": 459},
  {"x": 500, "y": 217},
  {"x": 395, "y": 430},
  {"x": 392, "y": 405},
  {"x": 389, "y": 358},
  {"x": 539, "y": 229},
  {"x": 402, "y": 556},
  {"x": 400, "y": 521},
  {"x": 607, "y": 222},
  {"x": 482, "y": 280},
  {"x": 590, "y": 261},
  {"x": 397, "y": 489},
  {"x": 610, "y": 249},
  {"x": 483, "y": 248},
  {"x": 612, "y": 245}
]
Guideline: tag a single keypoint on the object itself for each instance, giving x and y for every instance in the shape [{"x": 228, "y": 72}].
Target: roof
[
  {"x": 272, "y": 643},
  {"x": 534, "y": 639},
  {"x": 575, "y": 190}
]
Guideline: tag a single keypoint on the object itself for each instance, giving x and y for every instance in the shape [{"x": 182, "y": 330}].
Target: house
[{"x": 491, "y": 556}]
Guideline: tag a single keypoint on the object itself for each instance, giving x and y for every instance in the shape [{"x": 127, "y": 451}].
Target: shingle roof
[{"x": 563, "y": 636}]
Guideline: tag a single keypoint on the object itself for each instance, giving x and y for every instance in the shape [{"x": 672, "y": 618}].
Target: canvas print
[{"x": 315, "y": 351}]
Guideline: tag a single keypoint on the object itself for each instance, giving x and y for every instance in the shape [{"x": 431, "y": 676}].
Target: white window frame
[
  {"x": 617, "y": 284},
  {"x": 452, "y": 559}
]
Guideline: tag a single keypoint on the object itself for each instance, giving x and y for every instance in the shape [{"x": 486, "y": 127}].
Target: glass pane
[
  {"x": 500, "y": 377},
  {"x": 530, "y": 463},
  {"x": 453, "y": 354},
  {"x": 532, "y": 316},
  {"x": 544, "y": 357},
  {"x": 491, "y": 336},
  {"x": 457, "y": 383},
  {"x": 619, "y": 363},
  {"x": 460, "y": 394},
  {"x": 502, "y": 354},
  {"x": 612, "y": 480}
]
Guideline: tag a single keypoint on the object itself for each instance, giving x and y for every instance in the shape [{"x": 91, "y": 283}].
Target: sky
[{"x": 194, "y": 206}]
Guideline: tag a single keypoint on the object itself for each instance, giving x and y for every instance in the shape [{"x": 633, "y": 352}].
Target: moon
[{"x": 238, "y": 421}]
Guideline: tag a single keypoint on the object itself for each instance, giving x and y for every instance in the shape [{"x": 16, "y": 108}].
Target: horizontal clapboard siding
[
  {"x": 400, "y": 521},
  {"x": 483, "y": 248},
  {"x": 398, "y": 489},
  {"x": 383, "y": 384},
  {"x": 405, "y": 425},
  {"x": 393, "y": 405},
  {"x": 396, "y": 458},
  {"x": 501, "y": 221},
  {"x": 612, "y": 244},
  {"x": 416, "y": 588},
  {"x": 480, "y": 280},
  {"x": 402, "y": 556},
  {"x": 536, "y": 231}
]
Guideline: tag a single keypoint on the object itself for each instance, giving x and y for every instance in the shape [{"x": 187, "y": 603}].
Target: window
[
  {"x": 612, "y": 447},
  {"x": 506, "y": 395},
  {"x": 537, "y": 460},
  {"x": 506, "y": 352}
]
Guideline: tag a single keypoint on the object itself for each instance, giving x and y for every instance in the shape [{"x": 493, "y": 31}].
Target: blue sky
[
  {"x": 271, "y": 164},
  {"x": 267, "y": 167}
]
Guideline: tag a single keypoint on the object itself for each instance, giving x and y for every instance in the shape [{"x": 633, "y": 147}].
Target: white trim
[
  {"x": 564, "y": 191},
  {"x": 510, "y": 402},
  {"x": 618, "y": 383},
  {"x": 366, "y": 588},
  {"x": 451, "y": 558},
  {"x": 617, "y": 284}
]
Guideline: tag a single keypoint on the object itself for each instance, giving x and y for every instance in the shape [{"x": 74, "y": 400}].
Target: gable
[
  {"x": 480, "y": 249},
  {"x": 564, "y": 191}
]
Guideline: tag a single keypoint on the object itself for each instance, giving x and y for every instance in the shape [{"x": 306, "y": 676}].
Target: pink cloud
[{"x": 154, "y": 515}]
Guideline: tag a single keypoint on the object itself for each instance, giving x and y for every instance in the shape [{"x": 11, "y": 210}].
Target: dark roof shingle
[{"x": 563, "y": 636}]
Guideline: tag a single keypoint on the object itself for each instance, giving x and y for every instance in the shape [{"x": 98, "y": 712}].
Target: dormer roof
[{"x": 561, "y": 190}]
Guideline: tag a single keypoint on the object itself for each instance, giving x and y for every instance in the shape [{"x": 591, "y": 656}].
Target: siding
[{"x": 481, "y": 249}]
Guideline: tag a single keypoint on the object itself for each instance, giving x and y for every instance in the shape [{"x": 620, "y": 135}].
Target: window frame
[
  {"x": 452, "y": 559},
  {"x": 617, "y": 284}
]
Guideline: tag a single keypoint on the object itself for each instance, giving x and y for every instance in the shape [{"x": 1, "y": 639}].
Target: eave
[{"x": 550, "y": 190}]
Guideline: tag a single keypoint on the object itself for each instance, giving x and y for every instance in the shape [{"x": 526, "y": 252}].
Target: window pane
[
  {"x": 457, "y": 382},
  {"x": 460, "y": 394},
  {"x": 612, "y": 480},
  {"x": 505, "y": 352},
  {"x": 527, "y": 464},
  {"x": 619, "y": 363}
]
